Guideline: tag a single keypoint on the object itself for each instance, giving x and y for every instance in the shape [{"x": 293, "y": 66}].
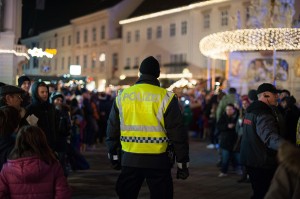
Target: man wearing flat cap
[
  {"x": 11, "y": 96},
  {"x": 262, "y": 132},
  {"x": 143, "y": 123}
]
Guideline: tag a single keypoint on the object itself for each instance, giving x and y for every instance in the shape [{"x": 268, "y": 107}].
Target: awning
[{"x": 128, "y": 81}]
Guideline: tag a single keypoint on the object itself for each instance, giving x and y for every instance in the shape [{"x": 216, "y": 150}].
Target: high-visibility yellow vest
[{"x": 141, "y": 111}]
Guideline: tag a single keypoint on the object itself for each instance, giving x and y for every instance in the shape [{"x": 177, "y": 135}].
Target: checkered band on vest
[{"x": 144, "y": 139}]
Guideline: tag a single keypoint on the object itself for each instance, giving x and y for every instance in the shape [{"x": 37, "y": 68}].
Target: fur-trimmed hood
[{"x": 288, "y": 156}]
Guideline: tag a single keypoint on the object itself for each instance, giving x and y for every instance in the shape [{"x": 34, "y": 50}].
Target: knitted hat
[
  {"x": 150, "y": 66},
  {"x": 22, "y": 79},
  {"x": 9, "y": 89},
  {"x": 55, "y": 95}
]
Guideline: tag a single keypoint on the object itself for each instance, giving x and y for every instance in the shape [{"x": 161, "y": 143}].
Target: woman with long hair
[{"x": 32, "y": 170}]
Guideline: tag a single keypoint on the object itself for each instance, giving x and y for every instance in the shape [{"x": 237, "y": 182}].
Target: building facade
[{"x": 12, "y": 55}]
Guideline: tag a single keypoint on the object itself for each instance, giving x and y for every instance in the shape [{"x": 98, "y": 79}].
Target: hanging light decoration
[{"x": 217, "y": 45}]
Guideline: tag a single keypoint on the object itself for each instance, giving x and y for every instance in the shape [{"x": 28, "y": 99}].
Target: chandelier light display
[{"x": 217, "y": 45}]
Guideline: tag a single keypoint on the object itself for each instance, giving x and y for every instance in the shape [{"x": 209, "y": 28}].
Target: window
[
  {"x": 85, "y": 36},
  {"x": 55, "y": 64},
  {"x": 127, "y": 63},
  {"x": 137, "y": 35},
  {"x": 77, "y": 60},
  {"x": 102, "y": 36},
  {"x": 158, "y": 32},
  {"x": 172, "y": 30},
  {"x": 49, "y": 44},
  {"x": 35, "y": 62},
  {"x": 206, "y": 20},
  {"x": 248, "y": 13},
  {"x": 93, "y": 62},
  {"x": 149, "y": 33},
  {"x": 44, "y": 45},
  {"x": 184, "y": 28},
  {"x": 69, "y": 61},
  {"x": 115, "y": 61},
  {"x": 128, "y": 37},
  {"x": 84, "y": 61},
  {"x": 94, "y": 34},
  {"x": 136, "y": 63},
  {"x": 55, "y": 43},
  {"x": 77, "y": 37},
  {"x": 63, "y": 41},
  {"x": 62, "y": 63},
  {"x": 69, "y": 40},
  {"x": 224, "y": 18},
  {"x": 158, "y": 57}
]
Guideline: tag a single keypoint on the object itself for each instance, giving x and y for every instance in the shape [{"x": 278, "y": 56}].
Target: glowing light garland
[
  {"x": 14, "y": 52},
  {"x": 217, "y": 45}
]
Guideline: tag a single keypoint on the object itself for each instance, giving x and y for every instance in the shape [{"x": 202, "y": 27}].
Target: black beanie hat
[
  {"x": 252, "y": 95},
  {"x": 150, "y": 66},
  {"x": 22, "y": 79}
]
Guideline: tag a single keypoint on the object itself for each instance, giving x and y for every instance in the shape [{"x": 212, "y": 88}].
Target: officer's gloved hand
[
  {"x": 182, "y": 171},
  {"x": 115, "y": 162}
]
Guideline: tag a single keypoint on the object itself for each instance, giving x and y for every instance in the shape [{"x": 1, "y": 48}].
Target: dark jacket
[
  {"x": 261, "y": 136},
  {"x": 32, "y": 178},
  {"x": 286, "y": 181},
  {"x": 175, "y": 132},
  {"x": 45, "y": 112},
  {"x": 7, "y": 143},
  {"x": 228, "y": 136}
]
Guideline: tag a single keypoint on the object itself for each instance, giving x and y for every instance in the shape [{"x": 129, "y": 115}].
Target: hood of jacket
[
  {"x": 28, "y": 169},
  {"x": 288, "y": 156},
  {"x": 34, "y": 93}
]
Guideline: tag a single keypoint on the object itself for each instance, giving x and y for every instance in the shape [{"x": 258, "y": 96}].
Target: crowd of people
[{"x": 145, "y": 128}]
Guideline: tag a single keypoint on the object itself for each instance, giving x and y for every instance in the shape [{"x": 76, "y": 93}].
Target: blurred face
[
  {"x": 43, "y": 93},
  {"x": 245, "y": 104},
  {"x": 14, "y": 100},
  {"x": 230, "y": 110},
  {"x": 58, "y": 102},
  {"x": 26, "y": 86},
  {"x": 283, "y": 94},
  {"x": 271, "y": 98}
]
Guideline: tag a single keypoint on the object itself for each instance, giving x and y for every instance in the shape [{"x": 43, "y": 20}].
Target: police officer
[{"x": 144, "y": 120}]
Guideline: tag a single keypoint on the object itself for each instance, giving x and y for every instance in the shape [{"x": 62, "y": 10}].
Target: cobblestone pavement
[{"x": 203, "y": 183}]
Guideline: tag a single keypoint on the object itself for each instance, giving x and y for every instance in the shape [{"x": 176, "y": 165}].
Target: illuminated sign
[{"x": 75, "y": 69}]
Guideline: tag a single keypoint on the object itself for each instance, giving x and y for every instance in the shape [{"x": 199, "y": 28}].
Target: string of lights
[{"x": 218, "y": 45}]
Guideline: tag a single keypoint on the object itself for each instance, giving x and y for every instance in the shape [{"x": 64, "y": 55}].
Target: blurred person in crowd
[
  {"x": 32, "y": 170},
  {"x": 90, "y": 128},
  {"x": 41, "y": 113},
  {"x": 228, "y": 139},
  {"x": 24, "y": 83},
  {"x": 239, "y": 130},
  {"x": 64, "y": 127},
  {"x": 145, "y": 119},
  {"x": 291, "y": 114},
  {"x": 9, "y": 124},
  {"x": 261, "y": 139},
  {"x": 78, "y": 123},
  {"x": 286, "y": 181},
  {"x": 252, "y": 95}
]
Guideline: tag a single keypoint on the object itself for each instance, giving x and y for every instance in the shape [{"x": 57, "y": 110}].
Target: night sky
[{"x": 56, "y": 13}]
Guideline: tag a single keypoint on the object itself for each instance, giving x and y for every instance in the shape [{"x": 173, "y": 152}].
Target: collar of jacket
[
  {"x": 148, "y": 79},
  {"x": 287, "y": 154}
]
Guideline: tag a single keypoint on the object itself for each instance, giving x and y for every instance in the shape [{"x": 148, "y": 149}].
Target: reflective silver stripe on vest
[
  {"x": 144, "y": 139},
  {"x": 159, "y": 117}
]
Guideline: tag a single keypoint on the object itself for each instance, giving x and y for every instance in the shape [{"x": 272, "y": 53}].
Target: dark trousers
[
  {"x": 260, "y": 180},
  {"x": 159, "y": 181}
]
